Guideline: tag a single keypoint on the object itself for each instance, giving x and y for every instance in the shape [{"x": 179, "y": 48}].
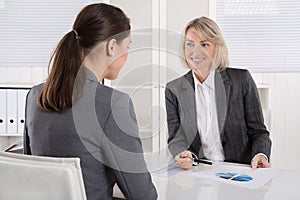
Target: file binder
[
  {"x": 11, "y": 111},
  {"x": 3, "y": 120},
  {"x": 21, "y": 109}
]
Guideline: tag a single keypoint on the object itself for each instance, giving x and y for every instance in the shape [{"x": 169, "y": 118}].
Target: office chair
[{"x": 29, "y": 177}]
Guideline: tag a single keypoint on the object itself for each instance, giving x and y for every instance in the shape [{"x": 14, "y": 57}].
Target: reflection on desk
[{"x": 184, "y": 186}]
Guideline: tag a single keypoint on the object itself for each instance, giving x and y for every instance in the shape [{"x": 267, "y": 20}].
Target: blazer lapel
[
  {"x": 223, "y": 87},
  {"x": 189, "y": 106}
]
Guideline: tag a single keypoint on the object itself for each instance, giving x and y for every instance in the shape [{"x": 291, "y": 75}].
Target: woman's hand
[
  {"x": 260, "y": 161},
  {"x": 184, "y": 160}
]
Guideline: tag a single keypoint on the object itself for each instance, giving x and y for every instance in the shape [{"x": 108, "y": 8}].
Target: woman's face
[
  {"x": 120, "y": 57},
  {"x": 199, "y": 53}
]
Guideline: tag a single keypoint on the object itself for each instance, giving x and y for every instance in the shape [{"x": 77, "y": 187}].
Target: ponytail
[
  {"x": 94, "y": 24},
  {"x": 56, "y": 94}
]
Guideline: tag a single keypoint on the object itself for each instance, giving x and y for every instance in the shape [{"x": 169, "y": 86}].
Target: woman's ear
[{"x": 111, "y": 45}]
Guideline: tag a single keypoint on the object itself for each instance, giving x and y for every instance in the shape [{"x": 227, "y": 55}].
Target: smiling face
[{"x": 199, "y": 53}]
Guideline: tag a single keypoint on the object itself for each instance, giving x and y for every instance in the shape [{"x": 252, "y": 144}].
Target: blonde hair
[{"x": 208, "y": 30}]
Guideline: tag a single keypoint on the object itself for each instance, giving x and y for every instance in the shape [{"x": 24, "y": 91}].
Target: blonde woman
[{"x": 214, "y": 111}]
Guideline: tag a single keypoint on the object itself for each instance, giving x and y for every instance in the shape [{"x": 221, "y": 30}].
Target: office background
[{"x": 29, "y": 30}]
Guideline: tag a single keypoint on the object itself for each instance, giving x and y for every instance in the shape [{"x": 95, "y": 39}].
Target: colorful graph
[{"x": 235, "y": 177}]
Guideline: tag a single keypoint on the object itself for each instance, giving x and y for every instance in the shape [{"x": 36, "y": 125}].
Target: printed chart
[{"x": 241, "y": 176}]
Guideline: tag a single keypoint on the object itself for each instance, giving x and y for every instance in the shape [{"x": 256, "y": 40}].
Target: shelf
[
  {"x": 16, "y": 85},
  {"x": 10, "y": 135}
]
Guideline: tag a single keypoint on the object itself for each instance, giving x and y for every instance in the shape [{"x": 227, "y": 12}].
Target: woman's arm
[
  {"x": 124, "y": 152},
  {"x": 26, "y": 141},
  {"x": 176, "y": 141},
  {"x": 257, "y": 132}
]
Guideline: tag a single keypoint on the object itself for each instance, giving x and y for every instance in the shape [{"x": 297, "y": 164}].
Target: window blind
[
  {"x": 262, "y": 35},
  {"x": 31, "y": 29}
]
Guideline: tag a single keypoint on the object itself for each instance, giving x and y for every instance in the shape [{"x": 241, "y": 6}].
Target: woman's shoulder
[
  {"x": 112, "y": 91},
  {"x": 237, "y": 74},
  {"x": 37, "y": 86},
  {"x": 112, "y": 94},
  {"x": 236, "y": 71},
  {"x": 179, "y": 80},
  {"x": 35, "y": 89}
]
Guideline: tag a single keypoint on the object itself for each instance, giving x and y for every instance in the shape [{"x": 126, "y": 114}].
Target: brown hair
[
  {"x": 208, "y": 30},
  {"x": 94, "y": 24}
]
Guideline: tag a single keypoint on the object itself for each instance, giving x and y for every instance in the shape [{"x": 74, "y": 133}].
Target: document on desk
[{"x": 241, "y": 176}]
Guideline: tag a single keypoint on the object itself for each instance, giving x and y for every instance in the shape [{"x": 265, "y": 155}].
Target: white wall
[
  {"x": 22, "y": 74},
  {"x": 284, "y": 99}
]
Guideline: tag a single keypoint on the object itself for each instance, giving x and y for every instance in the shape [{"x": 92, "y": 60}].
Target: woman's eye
[
  {"x": 204, "y": 44},
  {"x": 189, "y": 44}
]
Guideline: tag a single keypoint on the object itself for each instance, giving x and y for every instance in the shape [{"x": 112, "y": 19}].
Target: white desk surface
[{"x": 285, "y": 185}]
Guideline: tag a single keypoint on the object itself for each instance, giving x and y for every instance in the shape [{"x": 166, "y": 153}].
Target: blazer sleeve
[
  {"x": 26, "y": 141},
  {"x": 257, "y": 132},
  {"x": 125, "y": 154},
  {"x": 177, "y": 141}
]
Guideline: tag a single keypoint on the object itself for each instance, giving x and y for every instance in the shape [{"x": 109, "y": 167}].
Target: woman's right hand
[{"x": 184, "y": 160}]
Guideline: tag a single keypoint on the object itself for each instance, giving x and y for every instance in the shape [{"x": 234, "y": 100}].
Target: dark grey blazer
[
  {"x": 101, "y": 130},
  {"x": 240, "y": 117}
]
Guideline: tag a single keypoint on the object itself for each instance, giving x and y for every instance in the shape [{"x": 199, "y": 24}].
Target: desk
[{"x": 284, "y": 186}]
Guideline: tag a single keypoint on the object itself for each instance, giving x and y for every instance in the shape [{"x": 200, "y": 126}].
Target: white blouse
[{"x": 207, "y": 119}]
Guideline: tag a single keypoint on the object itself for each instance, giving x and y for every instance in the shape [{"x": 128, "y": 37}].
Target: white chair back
[{"x": 25, "y": 177}]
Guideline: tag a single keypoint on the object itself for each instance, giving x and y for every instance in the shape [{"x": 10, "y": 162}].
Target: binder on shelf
[
  {"x": 21, "y": 109},
  {"x": 3, "y": 120},
  {"x": 11, "y": 100}
]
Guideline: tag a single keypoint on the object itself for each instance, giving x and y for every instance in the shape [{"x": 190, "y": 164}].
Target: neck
[
  {"x": 96, "y": 68},
  {"x": 201, "y": 75},
  {"x": 97, "y": 61}
]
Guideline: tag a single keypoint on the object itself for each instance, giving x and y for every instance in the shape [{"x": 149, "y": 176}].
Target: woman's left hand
[{"x": 259, "y": 161}]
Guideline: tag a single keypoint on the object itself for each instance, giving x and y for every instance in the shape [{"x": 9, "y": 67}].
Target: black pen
[{"x": 202, "y": 161}]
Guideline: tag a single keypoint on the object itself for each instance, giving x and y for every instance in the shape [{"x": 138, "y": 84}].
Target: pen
[{"x": 202, "y": 161}]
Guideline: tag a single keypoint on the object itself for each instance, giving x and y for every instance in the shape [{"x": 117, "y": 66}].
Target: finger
[
  {"x": 187, "y": 166},
  {"x": 260, "y": 165},
  {"x": 254, "y": 163},
  {"x": 184, "y": 163},
  {"x": 261, "y": 162},
  {"x": 184, "y": 160},
  {"x": 180, "y": 155},
  {"x": 186, "y": 154},
  {"x": 267, "y": 165},
  {"x": 264, "y": 163}
]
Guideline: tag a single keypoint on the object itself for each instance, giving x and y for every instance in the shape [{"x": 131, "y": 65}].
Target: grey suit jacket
[
  {"x": 101, "y": 130},
  {"x": 240, "y": 118}
]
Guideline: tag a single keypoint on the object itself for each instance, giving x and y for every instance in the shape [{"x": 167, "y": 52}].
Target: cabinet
[
  {"x": 263, "y": 90},
  {"x": 12, "y": 112}
]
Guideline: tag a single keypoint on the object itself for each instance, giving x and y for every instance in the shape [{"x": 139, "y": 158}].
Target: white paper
[
  {"x": 168, "y": 171},
  {"x": 240, "y": 176}
]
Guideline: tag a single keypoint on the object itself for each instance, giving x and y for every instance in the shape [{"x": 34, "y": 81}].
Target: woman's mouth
[{"x": 197, "y": 59}]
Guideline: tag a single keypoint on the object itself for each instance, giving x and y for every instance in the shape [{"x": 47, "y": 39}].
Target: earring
[{"x": 112, "y": 54}]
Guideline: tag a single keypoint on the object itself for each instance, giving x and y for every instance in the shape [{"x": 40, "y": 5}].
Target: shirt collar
[
  {"x": 210, "y": 80},
  {"x": 89, "y": 74}
]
